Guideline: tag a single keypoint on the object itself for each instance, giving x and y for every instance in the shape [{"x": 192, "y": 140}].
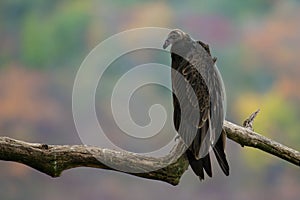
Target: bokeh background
[{"x": 257, "y": 43}]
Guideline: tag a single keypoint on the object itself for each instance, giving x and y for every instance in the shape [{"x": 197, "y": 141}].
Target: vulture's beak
[{"x": 166, "y": 44}]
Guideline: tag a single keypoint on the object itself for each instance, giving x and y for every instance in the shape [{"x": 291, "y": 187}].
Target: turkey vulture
[{"x": 198, "y": 96}]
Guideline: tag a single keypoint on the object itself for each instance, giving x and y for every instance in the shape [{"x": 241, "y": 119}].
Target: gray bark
[{"x": 54, "y": 159}]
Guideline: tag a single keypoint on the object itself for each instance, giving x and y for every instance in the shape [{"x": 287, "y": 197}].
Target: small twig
[{"x": 248, "y": 123}]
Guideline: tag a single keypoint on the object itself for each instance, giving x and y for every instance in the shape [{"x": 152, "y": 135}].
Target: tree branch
[
  {"x": 54, "y": 159},
  {"x": 247, "y": 137}
]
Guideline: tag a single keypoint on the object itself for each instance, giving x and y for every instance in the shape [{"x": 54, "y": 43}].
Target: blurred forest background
[{"x": 257, "y": 43}]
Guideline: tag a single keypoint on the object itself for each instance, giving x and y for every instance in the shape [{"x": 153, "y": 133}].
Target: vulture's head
[{"x": 175, "y": 36}]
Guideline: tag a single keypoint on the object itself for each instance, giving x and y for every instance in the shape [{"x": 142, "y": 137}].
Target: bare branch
[
  {"x": 247, "y": 137},
  {"x": 54, "y": 159}
]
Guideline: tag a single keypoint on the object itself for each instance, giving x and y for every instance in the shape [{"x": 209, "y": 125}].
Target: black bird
[{"x": 198, "y": 102}]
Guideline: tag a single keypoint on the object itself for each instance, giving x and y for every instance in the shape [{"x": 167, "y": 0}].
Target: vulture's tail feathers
[
  {"x": 220, "y": 154},
  {"x": 198, "y": 165}
]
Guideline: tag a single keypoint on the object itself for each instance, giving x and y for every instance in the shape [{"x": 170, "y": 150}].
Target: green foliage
[{"x": 54, "y": 38}]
